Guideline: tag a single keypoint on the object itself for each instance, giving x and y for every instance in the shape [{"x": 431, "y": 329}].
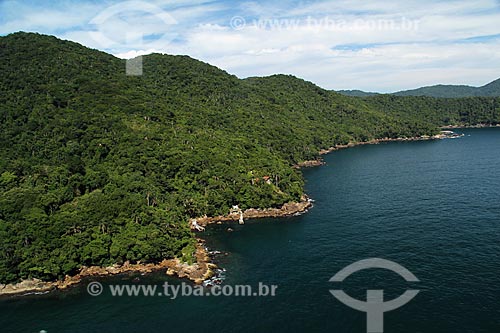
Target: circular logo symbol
[{"x": 95, "y": 289}]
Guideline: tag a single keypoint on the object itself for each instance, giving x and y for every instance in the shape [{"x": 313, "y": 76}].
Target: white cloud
[
  {"x": 343, "y": 45},
  {"x": 134, "y": 53},
  {"x": 17, "y": 16}
]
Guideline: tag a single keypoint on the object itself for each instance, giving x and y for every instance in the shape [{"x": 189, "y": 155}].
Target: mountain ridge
[
  {"x": 491, "y": 89},
  {"x": 100, "y": 168}
]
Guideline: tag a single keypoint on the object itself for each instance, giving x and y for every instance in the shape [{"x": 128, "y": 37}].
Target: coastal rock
[
  {"x": 309, "y": 164},
  {"x": 32, "y": 285},
  {"x": 199, "y": 271},
  {"x": 288, "y": 209},
  {"x": 470, "y": 126},
  {"x": 383, "y": 140}
]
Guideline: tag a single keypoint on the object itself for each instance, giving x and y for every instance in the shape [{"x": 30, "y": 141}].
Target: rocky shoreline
[
  {"x": 288, "y": 209},
  {"x": 309, "y": 164},
  {"x": 203, "y": 268},
  {"x": 320, "y": 162},
  {"x": 470, "y": 126},
  {"x": 384, "y": 140},
  {"x": 198, "y": 272}
]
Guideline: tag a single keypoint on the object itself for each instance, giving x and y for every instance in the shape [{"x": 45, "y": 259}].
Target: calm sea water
[{"x": 433, "y": 207}]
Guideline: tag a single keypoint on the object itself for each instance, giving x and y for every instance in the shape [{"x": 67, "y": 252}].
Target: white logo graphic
[
  {"x": 136, "y": 31},
  {"x": 375, "y": 307}
]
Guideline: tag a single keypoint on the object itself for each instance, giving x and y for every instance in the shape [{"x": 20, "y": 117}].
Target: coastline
[
  {"x": 320, "y": 162},
  {"x": 203, "y": 268},
  {"x": 470, "y": 126},
  {"x": 309, "y": 164},
  {"x": 198, "y": 272},
  {"x": 288, "y": 209},
  {"x": 383, "y": 140}
]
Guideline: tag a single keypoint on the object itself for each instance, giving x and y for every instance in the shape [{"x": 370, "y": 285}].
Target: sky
[{"x": 381, "y": 46}]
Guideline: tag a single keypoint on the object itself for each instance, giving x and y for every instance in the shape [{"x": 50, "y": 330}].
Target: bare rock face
[
  {"x": 198, "y": 272},
  {"x": 33, "y": 285},
  {"x": 288, "y": 209},
  {"x": 309, "y": 164},
  {"x": 377, "y": 141},
  {"x": 201, "y": 270}
]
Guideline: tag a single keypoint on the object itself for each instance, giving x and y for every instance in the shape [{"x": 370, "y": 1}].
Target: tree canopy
[{"x": 98, "y": 167}]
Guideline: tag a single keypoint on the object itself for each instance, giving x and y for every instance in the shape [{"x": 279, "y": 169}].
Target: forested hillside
[
  {"x": 442, "y": 111},
  {"x": 356, "y": 93},
  {"x": 98, "y": 167}
]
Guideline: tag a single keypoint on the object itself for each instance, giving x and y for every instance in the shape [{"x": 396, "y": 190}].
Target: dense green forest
[{"x": 99, "y": 168}]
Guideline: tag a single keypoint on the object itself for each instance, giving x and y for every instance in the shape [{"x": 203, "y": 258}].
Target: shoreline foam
[
  {"x": 202, "y": 269},
  {"x": 286, "y": 210},
  {"x": 320, "y": 162},
  {"x": 198, "y": 272}
]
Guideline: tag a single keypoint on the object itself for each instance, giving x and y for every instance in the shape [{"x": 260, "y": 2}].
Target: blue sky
[{"x": 346, "y": 44}]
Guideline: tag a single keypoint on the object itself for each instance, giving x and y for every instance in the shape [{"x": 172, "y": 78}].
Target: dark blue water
[{"x": 433, "y": 207}]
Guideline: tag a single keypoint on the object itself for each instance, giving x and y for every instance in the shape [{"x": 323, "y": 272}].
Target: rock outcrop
[
  {"x": 199, "y": 271},
  {"x": 288, "y": 209}
]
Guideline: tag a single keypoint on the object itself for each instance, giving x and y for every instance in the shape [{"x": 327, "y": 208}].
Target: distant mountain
[
  {"x": 100, "y": 168},
  {"x": 492, "y": 89},
  {"x": 356, "y": 93},
  {"x": 450, "y": 91},
  {"x": 441, "y": 91}
]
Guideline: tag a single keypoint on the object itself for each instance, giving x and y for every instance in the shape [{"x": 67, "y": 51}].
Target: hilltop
[
  {"x": 491, "y": 89},
  {"x": 101, "y": 168}
]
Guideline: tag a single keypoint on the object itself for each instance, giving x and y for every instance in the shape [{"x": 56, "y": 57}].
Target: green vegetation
[
  {"x": 98, "y": 168},
  {"x": 357, "y": 93},
  {"x": 443, "y": 111},
  {"x": 492, "y": 89}
]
